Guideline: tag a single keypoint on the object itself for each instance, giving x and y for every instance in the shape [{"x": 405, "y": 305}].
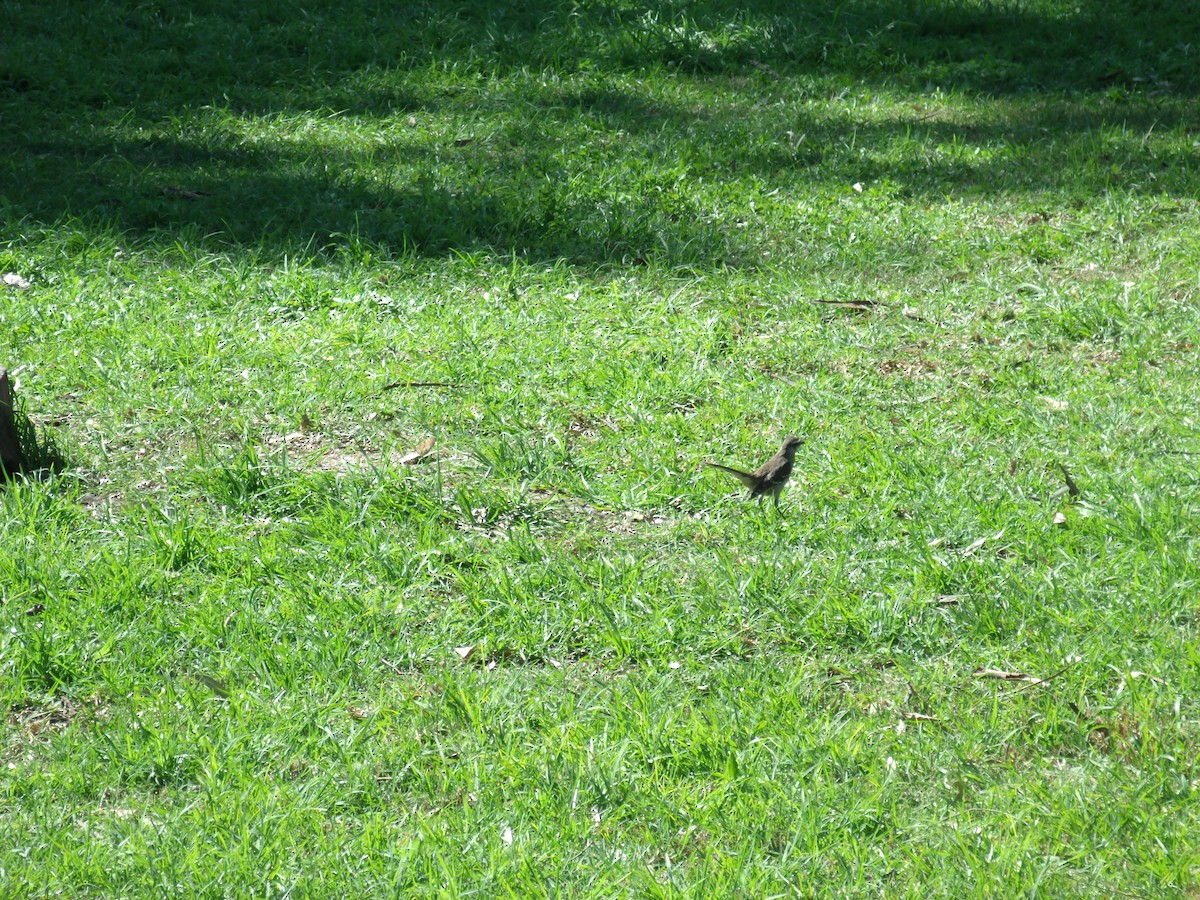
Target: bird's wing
[
  {"x": 775, "y": 472},
  {"x": 750, "y": 481}
]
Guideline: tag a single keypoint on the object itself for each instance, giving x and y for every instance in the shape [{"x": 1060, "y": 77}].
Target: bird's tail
[{"x": 745, "y": 478}]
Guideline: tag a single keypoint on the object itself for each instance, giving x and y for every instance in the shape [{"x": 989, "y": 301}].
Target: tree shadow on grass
[
  {"x": 435, "y": 127},
  {"x": 39, "y": 453}
]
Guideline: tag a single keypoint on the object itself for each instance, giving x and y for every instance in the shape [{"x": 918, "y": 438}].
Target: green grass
[{"x": 248, "y": 648}]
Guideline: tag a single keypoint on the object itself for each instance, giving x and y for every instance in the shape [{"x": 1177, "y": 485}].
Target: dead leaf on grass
[
  {"x": 1134, "y": 675},
  {"x": 652, "y": 518},
  {"x": 423, "y": 449},
  {"x": 1059, "y": 519},
  {"x": 466, "y": 652},
  {"x": 13, "y": 280},
  {"x": 976, "y": 545},
  {"x": 1055, "y": 404}
]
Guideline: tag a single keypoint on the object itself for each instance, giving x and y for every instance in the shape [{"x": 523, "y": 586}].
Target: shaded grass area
[
  {"x": 250, "y": 645},
  {"x": 429, "y": 128}
]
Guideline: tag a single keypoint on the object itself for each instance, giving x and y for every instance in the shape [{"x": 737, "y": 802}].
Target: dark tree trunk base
[{"x": 11, "y": 458}]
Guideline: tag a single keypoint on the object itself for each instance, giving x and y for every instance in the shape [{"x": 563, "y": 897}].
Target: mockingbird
[{"x": 772, "y": 475}]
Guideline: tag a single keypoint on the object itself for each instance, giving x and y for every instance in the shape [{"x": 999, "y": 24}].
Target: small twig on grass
[
  {"x": 184, "y": 194},
  {"x": 857, "y": 305},
  {"x": 391, "y": 386},
  {"x": 1030, "y": 680},
  {"x": 920, "y": 717},
  {"x": 395, "y": 668},
  {"x": 1048, "y": 678},
  {"x": 1003, "y": 675}
]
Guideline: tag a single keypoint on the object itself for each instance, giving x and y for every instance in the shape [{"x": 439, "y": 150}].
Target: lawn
[{"x": 372, "y": 353}]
